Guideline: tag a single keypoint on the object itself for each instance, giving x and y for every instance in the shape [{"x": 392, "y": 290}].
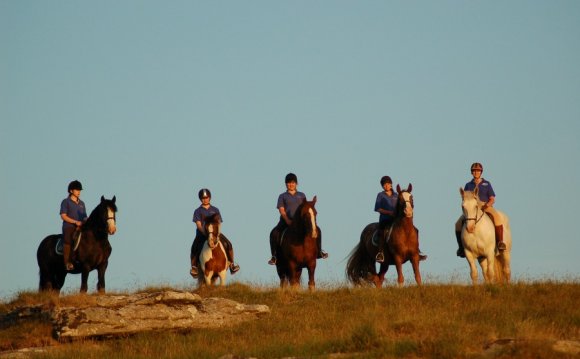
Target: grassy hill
[{"x": 435, "y": 321}]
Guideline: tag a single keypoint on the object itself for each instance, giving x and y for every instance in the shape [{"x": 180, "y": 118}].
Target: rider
[
  {"x": 203, "y": 211},
  {"x": 287, "y": 204},
  {"x": 487, "y": 196},
  {"x": 73, "y": 213},
  {"x": 386, "y": 204}
]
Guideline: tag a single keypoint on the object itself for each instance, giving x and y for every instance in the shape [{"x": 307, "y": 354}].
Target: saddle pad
[{"x": 59, "y": 248}]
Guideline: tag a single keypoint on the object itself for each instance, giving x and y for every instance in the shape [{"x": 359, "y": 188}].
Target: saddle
[
  {"x": 375, "y": 238},
  {"x": 76, "y": 241}
]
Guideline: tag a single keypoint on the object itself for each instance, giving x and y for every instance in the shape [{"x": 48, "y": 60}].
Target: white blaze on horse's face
[
  {"x": 408, "y": 204},
  {"x": 469, "y": 205},
  {"x": 112, "y": 226},
  {"x": 313, "y": 222},
  {"x": 213, "y": 234}
]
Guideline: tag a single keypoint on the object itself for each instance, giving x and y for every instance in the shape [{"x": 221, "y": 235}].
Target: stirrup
[
  {"x": 322, "y": 254},
  {"x": 501, "y": 246},
  {"x": 193, "y": 271},
  {"x": 272, "y": 261},
  {"x": 380, "y": 257},
  {"x": 234, "y": 268},
  {"x": 422, "y": 257}
]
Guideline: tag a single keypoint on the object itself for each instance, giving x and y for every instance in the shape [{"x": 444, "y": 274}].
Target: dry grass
[{"x": 443, "y": 321}]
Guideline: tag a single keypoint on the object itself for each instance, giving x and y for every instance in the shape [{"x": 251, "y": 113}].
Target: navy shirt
[
  {"x": 76, "y": 211},
  {"x": 485, "y": 189},
  {"x": 386, "y": 202},
  {"x": 290, "y": 202},
  {"x": 201, "y": 213}
]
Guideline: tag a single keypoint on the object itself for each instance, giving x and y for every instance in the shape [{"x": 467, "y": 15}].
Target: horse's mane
[
  {"x": 95, "y": 220},
  {"x": 214, "y": 218},
  {"x": 472, "y": 194}
]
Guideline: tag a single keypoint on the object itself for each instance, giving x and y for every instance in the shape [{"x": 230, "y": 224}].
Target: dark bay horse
[
  {"x": 213, "y": 260},
  {"x": 298, "y": 247},
  {"x": 402, "y": 246},
  {"x": 92, "y": 253}
]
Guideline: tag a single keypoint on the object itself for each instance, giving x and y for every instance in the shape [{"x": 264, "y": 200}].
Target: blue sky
[{"x": 151, "y": 101}]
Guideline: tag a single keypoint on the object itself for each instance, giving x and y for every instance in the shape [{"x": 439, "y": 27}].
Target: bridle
[{"x": 475, "y": 218}]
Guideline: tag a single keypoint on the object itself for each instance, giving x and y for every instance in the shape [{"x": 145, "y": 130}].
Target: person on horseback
[
  {"x": 73, "y": 213},
  {"x": 486, "y": 194},
  {"x": 203, "y": 211},
  {"x": 287, "y": 204},
  {"x": 385, "y": 205}
]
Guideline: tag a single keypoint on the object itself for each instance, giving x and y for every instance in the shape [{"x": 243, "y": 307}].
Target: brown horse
[
  {"x": 298, "y": 247},
  {"x": 93, "y": 251},
  {"x": 402, "y": 245},
  {"x": 213, "y": 259}
]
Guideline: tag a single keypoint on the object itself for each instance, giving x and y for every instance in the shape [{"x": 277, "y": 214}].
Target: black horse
[{"x": 92, "y": 253}]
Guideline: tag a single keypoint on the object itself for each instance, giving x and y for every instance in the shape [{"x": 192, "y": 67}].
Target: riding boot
[
  {"x": 274, "y": 242},
  {"x": 380, "y": 257},
  {"x": 66, "y": 255},
  {"x": 230, "y": 256},
  {"x": 460, "y": 250},
  {"x": 499, "y": 238},
  {"x": 321, "y": 253},
  {"x": 196, "y": 247}
]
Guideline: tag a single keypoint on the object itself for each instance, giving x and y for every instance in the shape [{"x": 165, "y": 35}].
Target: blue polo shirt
[
  {"x": 76, "y": 211},
  {"x": 201, "y": 213},
  {"x": 386, "y": 202},
  {"x": 290, "y": 202},
  {"x": 485, "y": 189}
]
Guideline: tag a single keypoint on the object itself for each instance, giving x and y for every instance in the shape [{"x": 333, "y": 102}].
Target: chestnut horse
[
  {"x": 402, "y": 245},
  {"x": 478, "y": 236},
  {"x": 93, "y": 251},
  {"x": 212, "y": 259},
  {"x": 298, "y": 247}
]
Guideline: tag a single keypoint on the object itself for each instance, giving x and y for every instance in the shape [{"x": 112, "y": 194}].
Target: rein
[{"x": 475, "y": 218}]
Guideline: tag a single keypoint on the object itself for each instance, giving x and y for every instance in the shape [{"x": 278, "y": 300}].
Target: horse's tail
[{"x": 357, "y": 265}]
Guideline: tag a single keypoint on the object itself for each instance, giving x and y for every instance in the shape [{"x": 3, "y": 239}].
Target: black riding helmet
[
  {"x": 386, "y": 179},
  {"x": 204, "y": 192},
  {"x": 291, "y": 177},
  {"x": 75, "y": 185}
]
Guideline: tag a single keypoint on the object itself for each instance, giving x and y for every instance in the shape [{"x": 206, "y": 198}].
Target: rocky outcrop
[{"x": 121, "y": 315}]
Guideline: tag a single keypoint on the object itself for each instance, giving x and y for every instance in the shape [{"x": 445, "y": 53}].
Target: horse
[
  {"x": 478, "y": 237},
  {"x": 402, "y": 245},
  {"x": 298, "y": 246},
  {"x": 92, "y": 253},
  {"x": 213, "y": 259}
]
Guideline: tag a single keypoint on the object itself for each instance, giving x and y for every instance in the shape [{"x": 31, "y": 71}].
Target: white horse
[
  {"x": 213, "y": 259},
  {"x": 478, "y": 236}
]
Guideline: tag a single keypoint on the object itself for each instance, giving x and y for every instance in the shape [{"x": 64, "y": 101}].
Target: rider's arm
[
  {"x": 67, "y": 219},
  {"x": 282, "y": 211},
  {"x": 489, "y": 202},
  {"x": 200, "y": 227}
]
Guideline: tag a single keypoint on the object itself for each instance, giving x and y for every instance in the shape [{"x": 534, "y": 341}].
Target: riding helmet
[
  {"x": 204, "y": 192},
  {"x": 75, "y": 185},
  {"x": 476, "y": 166},
  {"x": 386, "y": 179},
  {"x": 291, "y": 177}
]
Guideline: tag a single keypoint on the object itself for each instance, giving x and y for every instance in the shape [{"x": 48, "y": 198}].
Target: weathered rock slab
[{"x": 115, "y": 315}]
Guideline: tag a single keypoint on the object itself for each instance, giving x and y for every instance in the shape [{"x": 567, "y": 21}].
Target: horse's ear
[
  {"x": 410, "y": 188},
  {"x": 102, "y": 199},
  {"x": 461, "y": 191},
  {"x": 114, "y": 199},
  {"x": 314, "y": 200},
  {"x": 398, "y": 188}
]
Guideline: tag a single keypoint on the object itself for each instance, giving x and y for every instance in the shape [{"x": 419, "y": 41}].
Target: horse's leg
[
  {"x": 84, "y": 280},
  {"x": 506, "y": 266},
  {"x": 223, "y": 278},
  {"x": 491, "y": 268},
  {"x": 381, "y": 276},
  {"x": 311, "y": 270},
  {"x": 472, "y": 267},
  {"x": 207, "y": 277},
  {"x": 416, "y": 271},
  {"x": 399, "y": 266},
  {"x": 101, "y": 269},
  {"x": 295, "y": 275}
]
